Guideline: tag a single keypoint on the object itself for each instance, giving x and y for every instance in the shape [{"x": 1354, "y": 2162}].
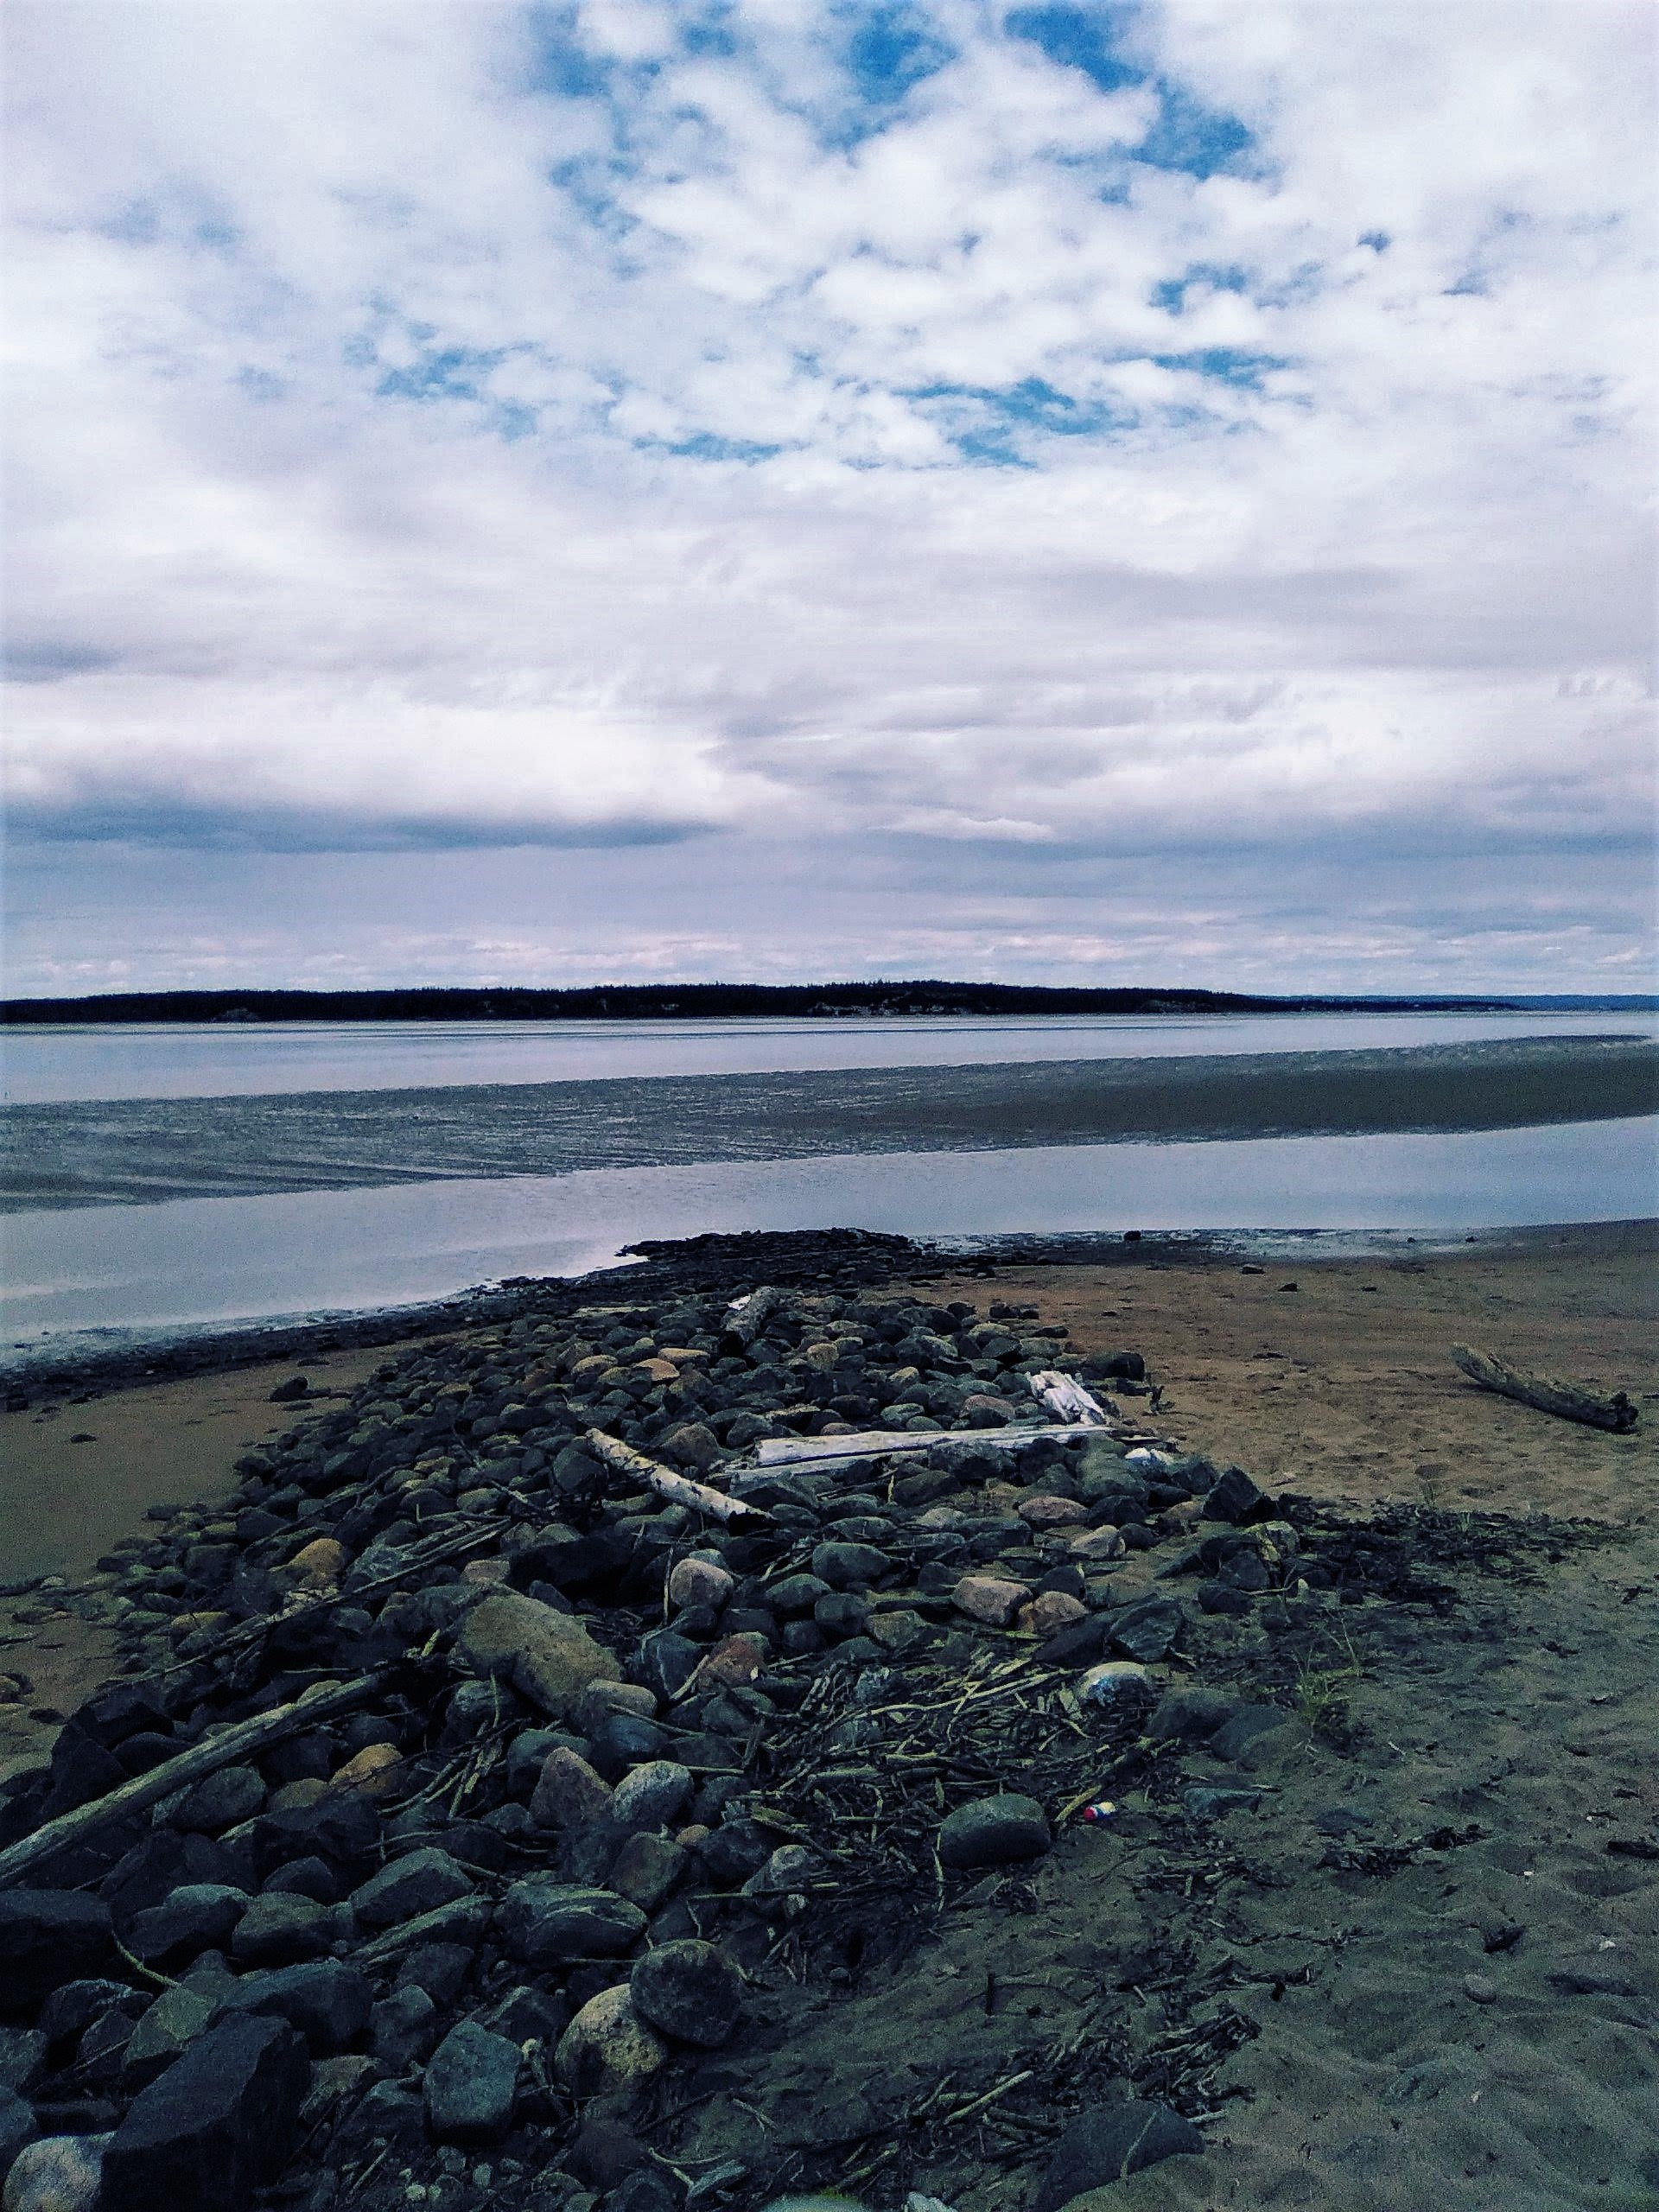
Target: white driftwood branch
[
  {"x": 1546, "y": 1392},
  {"x": 746, "y": 1316},
  {"x": 145, "y": 1789},
  {"x": 1065, "y": 1395},
  {"x": 880, "y": 1443},
  {"x": 678, "y": 1489}
]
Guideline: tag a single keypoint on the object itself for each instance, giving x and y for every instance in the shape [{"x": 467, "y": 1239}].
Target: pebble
[
  {"x": 697, "y": 1581},
  {"x": 59, "y": 2173},
  {"x": 652, "y": 1795},
  {"x": 1479, "y": 1989}
]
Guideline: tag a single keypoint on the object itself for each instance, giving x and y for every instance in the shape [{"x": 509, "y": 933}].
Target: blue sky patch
[
  {"x": 892, "y": 49},
  {"x": 1225, "y": 363},
  {"x": 1171, "y": 295},
  {"x": 1081, "y": 38}
]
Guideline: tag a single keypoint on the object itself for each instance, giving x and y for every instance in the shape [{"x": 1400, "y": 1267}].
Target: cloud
[{"x": 863, "y": 433}]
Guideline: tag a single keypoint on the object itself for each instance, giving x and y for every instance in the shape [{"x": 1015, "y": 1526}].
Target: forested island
[{"x": 694, "y": 1001}]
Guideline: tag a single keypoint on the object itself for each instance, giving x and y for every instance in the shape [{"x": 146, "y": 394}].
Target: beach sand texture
[{"x": 1425, "y": 1959}]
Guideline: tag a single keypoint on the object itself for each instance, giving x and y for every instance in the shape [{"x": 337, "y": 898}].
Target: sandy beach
[{"x": 1396, "y": 1946}]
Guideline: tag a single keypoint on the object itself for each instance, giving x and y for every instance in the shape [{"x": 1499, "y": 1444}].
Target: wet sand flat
[{"x": 131, "y": 1150}]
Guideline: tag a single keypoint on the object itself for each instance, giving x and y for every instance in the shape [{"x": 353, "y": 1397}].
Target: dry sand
[
  {"x": 76, "y": 1477},
  {"x": 1342, "y": 1387},
  {"x": 1437, "y": 1928}
]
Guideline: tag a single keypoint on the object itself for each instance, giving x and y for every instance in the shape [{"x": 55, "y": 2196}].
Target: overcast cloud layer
[{"x": 1118, "y": 493}]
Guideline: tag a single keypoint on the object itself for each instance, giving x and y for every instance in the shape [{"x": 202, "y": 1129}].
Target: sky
[{"x": 1115, "y": 493}]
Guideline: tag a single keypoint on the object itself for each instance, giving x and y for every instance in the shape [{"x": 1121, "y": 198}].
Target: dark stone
[
  {"x": 544, "y": 1923},
  {"x": 1245, "y": 1728},
  {"x": 305, "y": 1878},
  {"x": 1080, "y": 1645},
  {"x": 1145, "y": 1632},
  {"x": 1000, "y": 1831},
  {"x": 666, "y": 1660},
  {"x": 732, "y": 1854},
  {"x": 843, "y": 1613},
  {"x": 74, "y": 2006},
  {"x": 1233, "y": 1498},
  {"x": 199, "y": 1916},
  {"x": 471, "y": 2080},
  {"x": 403, "y": 2028},
  {"x": 47, "y": 1936},
  {"x": 326, "y": 1999},
  {"x": 605, "y": 2153},
  {"x": 342, "y": 1829},
  {"x": 278, "y": 1930},
  {"x": 1109, "y": 2145},
  {"x": 1115, "y": 1366},
  {"x": 217, "y": 2123},
  {"x": 440, "y": 1969},
  {"x": 19, "y": 2127},
  {"x": 409, "y": 1886},
  {"x": 529, "y": 2014},
  {"x": 796, "y": 1594},
  {"x": 1221, "y": 1597},
  {"x": 82, "y": 1769},
  {"x": 846, "y": 1565},
  {"x": 623, "y": 1740},
  {"x": 1188, "y": 1716},
  {"x": 690, "y": 1991},
  {"x": 119, "y": 1711}
]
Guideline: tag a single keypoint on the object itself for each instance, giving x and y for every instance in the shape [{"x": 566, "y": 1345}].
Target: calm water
[
  {"x": 43, "y": 1064},
  {"x": 111, "y": 1270}
]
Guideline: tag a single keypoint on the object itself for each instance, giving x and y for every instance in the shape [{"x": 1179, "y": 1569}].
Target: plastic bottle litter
[{"x": 1097, "y": 1814}]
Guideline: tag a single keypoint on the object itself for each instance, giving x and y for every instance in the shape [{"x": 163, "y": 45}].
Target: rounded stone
[
  {"x": 1000, "y": 1831},
  {"x": 607, "y": 2046},
  {"x": 651, "y": 1795},
  {"x": 699, "y": 1582},
  {"x": 690, "y": 1991},
  {"x": 569, "y": 1793},
  {"x": 59, "y": 2173}
]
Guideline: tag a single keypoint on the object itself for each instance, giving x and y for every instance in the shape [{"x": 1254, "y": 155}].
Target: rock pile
[{"x": 502, "y": 1831}]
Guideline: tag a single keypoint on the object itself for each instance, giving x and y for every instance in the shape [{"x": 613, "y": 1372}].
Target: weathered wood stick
[
  {"x": 1547, "y": 1392},
  {"x": 223, "y": 1749},
  {"x": 678, "y": 1489},
  {"x": 881, "y": 1443},
  {"x": 746, "y": 1317},
  {"x": 1065, "y": 1395}
]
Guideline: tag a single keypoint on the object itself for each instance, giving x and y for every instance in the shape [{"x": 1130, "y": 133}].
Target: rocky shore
[{"x": 473, "y": 1821}]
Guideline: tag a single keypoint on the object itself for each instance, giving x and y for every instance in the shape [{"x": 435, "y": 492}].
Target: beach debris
[
  {"x": 881, "y": 1443},
  {"x": 1547, "y": 1393},
  {"x": 1067, "y": 1398},
  {"x": 747, "y": 1316},
  {"x": 321, "y": 1703},
  {"x": 1099, "y": 1813},
  {"x": 678, "y": 1489}
]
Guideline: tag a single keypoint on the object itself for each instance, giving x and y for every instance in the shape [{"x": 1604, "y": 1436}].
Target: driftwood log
[
  {"x": 1065, "y": 1395},
  {"x": 881, "y": 1443},
  {"x": 1547, "y": 1392},
  {"x": 201, "y": 1759},
  {"x": 746, "y": 1316},
  {"x": 678, "y": 1489}
]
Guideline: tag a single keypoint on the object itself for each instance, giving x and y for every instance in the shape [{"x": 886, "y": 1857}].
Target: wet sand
[{"x": 126, "y": 1151}]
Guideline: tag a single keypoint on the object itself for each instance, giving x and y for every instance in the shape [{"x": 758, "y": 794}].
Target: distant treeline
[{"x": 681, "y": 1002}]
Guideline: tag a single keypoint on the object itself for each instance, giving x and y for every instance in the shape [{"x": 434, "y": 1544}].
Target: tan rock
[
  {"x": 1096, "y": 1543},
  {"x": 1050, "y": 1610},
  {"x": 1046, "y": 1512},
  {"x": 548, "y": 1658},
  {"x": 484, "y": 1572},
  {"x": 699, "y": 1582},
  {"x": 371, "y": 1773},
  {"x": 318, "y": 1566},
  {"x": 569, "y": 1793},
  {"x": 660, "y": 1371},
  {"x": 600, "y": 1700},
  {"x": 987, "y": 1597},
  {"x": 607, "y": 2047},
  {"x": 297, "y": 1796},
  {"x": 735, "y": 1660},
  {"x": 823, "y": 1357}
]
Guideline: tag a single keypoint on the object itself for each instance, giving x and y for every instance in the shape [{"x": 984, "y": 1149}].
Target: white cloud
[{"x": 413, "y": 450}]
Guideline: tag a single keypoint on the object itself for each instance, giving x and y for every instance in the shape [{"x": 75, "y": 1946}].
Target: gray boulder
[
  {"x": 47, "y": 1936},
  {"x": 689, "y": 1991},
  {"x": 1109, "y": 2145},
  {"x": 543, "y": 1923},
  {"x": 221, "y": 2121},
  {"x": 472, "y": 2082},
  {"x": 547, "y": 1656},
  {"x": 1000, "y": 1831}
]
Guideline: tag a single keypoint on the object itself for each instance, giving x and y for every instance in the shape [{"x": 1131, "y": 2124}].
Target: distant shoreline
[{"x": 913, "y": 999}]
